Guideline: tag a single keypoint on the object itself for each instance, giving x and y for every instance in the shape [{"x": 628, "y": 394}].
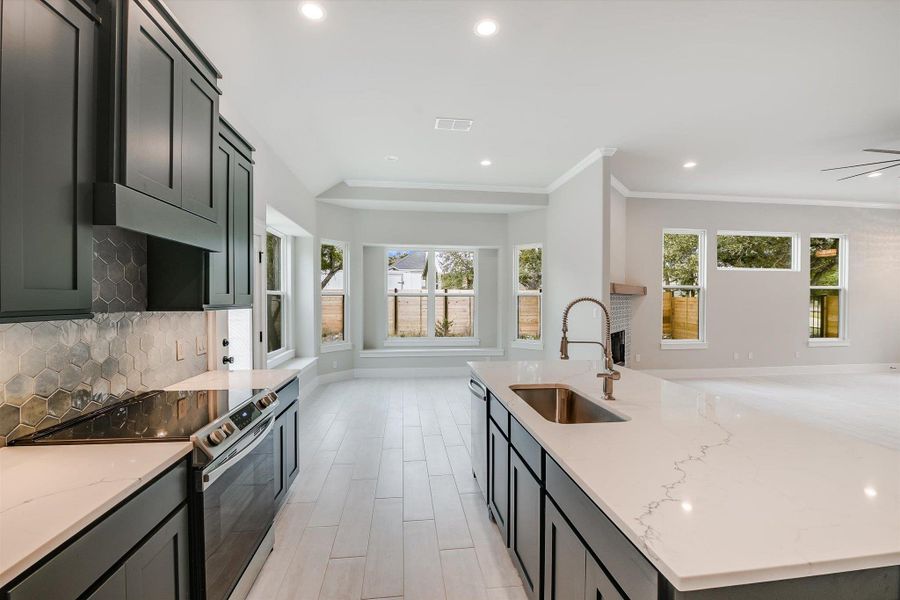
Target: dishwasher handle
[{"x": 478, "y": 389}]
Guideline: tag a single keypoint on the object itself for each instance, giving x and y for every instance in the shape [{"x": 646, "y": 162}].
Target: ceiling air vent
[{"x": 448, "y": 124}]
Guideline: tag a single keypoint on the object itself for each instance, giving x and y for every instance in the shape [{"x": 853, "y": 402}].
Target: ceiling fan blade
[
  {"x": 883, "y": 151},
  {"x": 880, "y": 162},
  {"x": 867, "y": 172}
]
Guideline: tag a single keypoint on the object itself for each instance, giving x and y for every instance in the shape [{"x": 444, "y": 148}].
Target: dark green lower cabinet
[
  {"x": 564, "y": 558},
  {"x": 525, "y": 524},
  {"x": 597, "y": 585},
  {"x": 287, "y": 452},
  {"x": 498, "y": 478}
]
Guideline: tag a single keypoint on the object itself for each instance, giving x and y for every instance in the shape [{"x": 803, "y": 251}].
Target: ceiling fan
[{"x": 888, "y": 164}]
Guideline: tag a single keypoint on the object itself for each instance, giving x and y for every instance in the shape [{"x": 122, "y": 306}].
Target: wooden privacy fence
[
  {"x": 408, "y": 315},
  {"x": 332, "y": 318},
  {"x": 529, "y": 317},
  {"x": 681, "y": 317}
]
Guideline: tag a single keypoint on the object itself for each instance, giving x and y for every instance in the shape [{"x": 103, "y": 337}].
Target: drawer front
[
  {"x": 499, "y": 415},
  {"x": 629, "y": 568},
  {"x": 526, "y": 446},
  {"x": 287, "y": 394},
  {"x": 74, "y": 569}
]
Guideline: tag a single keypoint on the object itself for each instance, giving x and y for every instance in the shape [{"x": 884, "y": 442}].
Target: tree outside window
[
  {"x": 529, "y": 292},
  {"x": 333, "y": 292}
]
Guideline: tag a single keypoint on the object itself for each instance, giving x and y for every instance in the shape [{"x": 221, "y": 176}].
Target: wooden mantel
[{"x": 627, "y": 289}]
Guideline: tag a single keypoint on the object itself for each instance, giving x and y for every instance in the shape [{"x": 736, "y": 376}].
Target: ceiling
[{"x": 762, "y": 94}]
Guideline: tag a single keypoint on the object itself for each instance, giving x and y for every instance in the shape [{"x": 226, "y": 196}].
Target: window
[
  {"x": 334, "y": 294},
  {"x": 276, "y": 294},
  {"x": 431, "y": 295},
  {"x": 529, "y": 275},
  {"x": 757, "y": 251},
  {"x": 683, "y": 287},
  {"x": 827, "y": 289}
]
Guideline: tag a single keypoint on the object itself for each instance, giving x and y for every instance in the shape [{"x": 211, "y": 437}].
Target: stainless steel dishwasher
[{"x": 479, "y": 433}]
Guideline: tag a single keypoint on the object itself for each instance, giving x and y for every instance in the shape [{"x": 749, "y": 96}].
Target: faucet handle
[{"x": 610, "y": 374}]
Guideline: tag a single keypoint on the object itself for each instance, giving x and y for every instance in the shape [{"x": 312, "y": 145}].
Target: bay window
[
  {"x": 277, "y": 296},
  {"x": 683, "y": 288},
  {"x": 333, "y": 284},
  {"x": 529, "y": 292},
  {"x": 431, "y": 295}
]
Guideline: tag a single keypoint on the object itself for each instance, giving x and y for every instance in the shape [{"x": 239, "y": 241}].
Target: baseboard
[
  {"x": 769, "y": 371},
  {"x": 411, "y": 372}
]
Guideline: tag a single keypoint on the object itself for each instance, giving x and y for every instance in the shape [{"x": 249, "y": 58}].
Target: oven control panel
[
  {"x": 215, "y": 439},
  {"x": 245, "y": 415}
]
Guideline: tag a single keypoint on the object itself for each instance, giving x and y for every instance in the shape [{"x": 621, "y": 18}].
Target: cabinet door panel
[
  {"x": 113, "y": 588},
  {"x": 498, "y": 462},
  {"x": 278, "y": 454},
  {"x": 292, "y": 449},
  {"x": 159, "y": 568},
  {"x": 221, "y": 273},
  {"x": 564, "y": 558},
  {"x": 199, "y": 143},
  {"x": 598, "y": 586},
  {"x": 525, "y": 523},
  {"x": 242, "y": 231},
  {"x": 47, "y": 157},
  {"x": 153, "y": 110}
]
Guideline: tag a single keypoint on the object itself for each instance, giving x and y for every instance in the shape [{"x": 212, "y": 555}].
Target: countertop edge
[
  {"x": 26, "y": 562},
  {"x": 218, "y": 380},
  {"x": 689, "y": 583}
]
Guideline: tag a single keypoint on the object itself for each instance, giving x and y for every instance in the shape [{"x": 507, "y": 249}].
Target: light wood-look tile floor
[{"x": 385, "y": 505}]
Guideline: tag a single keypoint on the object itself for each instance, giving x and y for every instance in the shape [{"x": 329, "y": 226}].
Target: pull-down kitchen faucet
[{"x": 611, "y": 374}]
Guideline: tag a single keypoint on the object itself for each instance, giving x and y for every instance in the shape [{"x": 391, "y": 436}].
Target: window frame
[
  {"x": 431, "y": 340},
  {"x": 518, "y": 342},
  {"x": 700, "y": 343},
  {"x": 842, "y": 287},
  {"x": 346, "y": 343},
  {"x": 286, "y": 351},
  {"x": 795, "y": 250}
]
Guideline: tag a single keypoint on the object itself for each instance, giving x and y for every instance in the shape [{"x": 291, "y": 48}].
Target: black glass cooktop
[{"x": 150, "y": 416}]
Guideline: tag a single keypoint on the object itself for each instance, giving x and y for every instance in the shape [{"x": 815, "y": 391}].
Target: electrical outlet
[
  {"x": 201, "y": 345},
  {"x": 749, "y": 356},
  {"x": 334, "y": 364},
  {"x": 796, "y": 355},
  {"x": 637, "y": 358},
  {"x": 179, "y": 349},
  {"x": 737, "y": 356}
]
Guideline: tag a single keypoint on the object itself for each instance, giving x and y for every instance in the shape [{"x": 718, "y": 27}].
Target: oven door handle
[
  {"x": 211, "y": 477},
  {"x": 477, "y": 389}
]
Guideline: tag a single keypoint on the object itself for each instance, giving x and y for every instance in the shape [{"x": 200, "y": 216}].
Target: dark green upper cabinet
[
  {"x": 188, "y": 278},
  {"x": 160, "y": 130},
  {"x": 47, "y": 158}
]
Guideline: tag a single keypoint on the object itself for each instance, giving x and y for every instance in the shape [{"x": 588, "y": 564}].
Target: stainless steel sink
[{"x": 561, "y": 404}]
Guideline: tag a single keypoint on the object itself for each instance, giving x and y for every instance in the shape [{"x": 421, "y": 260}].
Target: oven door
[{"x": 237, "y": 496}]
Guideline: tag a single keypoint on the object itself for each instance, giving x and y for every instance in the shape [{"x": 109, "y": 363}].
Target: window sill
[
  {"x": 278, "y": 357},
  {"x": 682, "y": 345},
  {"x": 828, "y": 343},
  {"x": 527, "y": 344},
  {"x": 335, "y": 347},
  {"x": 426, "y": 352},
  {"x": 431, "y": 342}
]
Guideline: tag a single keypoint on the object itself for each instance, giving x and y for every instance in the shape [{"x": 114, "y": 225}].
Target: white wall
[
  {"x": 766, "y": 312},
  {"x": 575, "y": 262},
  {"x": 617, "y": 235}
]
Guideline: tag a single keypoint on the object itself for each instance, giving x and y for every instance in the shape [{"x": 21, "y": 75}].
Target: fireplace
[{"x": 618, "y": 347}]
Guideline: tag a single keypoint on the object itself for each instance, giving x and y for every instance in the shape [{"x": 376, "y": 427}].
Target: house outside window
[
  {"x": 277, "y": 296},
  {"x": 431, "y": 296},
  {"x": 334, "y": 294},
  {"x": 683, "y": 289},
  {"x": 827, "y": 290},
  {"x": 528, "y": 273}
]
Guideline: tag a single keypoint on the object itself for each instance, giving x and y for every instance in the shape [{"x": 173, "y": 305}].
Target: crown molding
[
  {"x": 461, "y": 187},
  {"x": 756, "y": 199},
  {"x": 595, "y": 155}
]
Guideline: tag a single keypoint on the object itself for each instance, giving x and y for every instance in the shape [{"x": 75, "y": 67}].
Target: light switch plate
[
  {"x": 179, "y": 350},
  {"x": 201, "y": 345}
]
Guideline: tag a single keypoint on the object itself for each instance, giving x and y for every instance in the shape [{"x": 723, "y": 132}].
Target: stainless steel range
[{"x": 233, "y": 488}]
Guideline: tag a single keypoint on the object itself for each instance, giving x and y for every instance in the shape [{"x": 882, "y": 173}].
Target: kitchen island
[{"x": 713, "y": 498}]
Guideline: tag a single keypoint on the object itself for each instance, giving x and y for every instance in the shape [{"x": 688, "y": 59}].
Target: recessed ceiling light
[
  {"x": 392, "y": 158},
  {"x": 689, "y": 165},
  {"x": 486, "y": 162},
  {"x": 870, "y": 491},
  {"x": 312, "y": 11},
  {"x": 486, "y": 27},
  {"x": 875, "y": 174}
]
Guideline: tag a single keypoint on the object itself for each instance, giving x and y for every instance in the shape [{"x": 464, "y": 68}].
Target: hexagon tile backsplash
[{"x": 55, "y": 370}]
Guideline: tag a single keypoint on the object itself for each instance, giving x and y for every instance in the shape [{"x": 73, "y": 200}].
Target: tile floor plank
[
  {"x": 307, "y": 569},
  {"x": 422, "y": 574},
  {"x": 462, "y": 575},
  {"x": 384, "y": 559},
  {"x": 352, "y": 537},
  {"x": 462, "y": 469},
  {"x": 343, "y": 579},
  {"x": 330, "y": 503},
  {"x": 413, "y": 445},
  {"x": 416, "y": 492},
  {"x": 449, "y": 517},
  {"x": 390, "y": 475},
  {"x": 436, "y": 455}
]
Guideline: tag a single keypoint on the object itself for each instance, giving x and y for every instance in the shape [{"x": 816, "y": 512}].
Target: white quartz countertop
[
  {"x": 714, "y": 492},
  {"x": 50, "y": 493},
  {"x": 270, "y": 379}
]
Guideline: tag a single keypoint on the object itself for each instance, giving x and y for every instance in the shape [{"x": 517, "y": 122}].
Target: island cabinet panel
[
  {"x": 629, "y": 569},
  {"x": 47, "y": 158},
  {"x": 598, "y": 586},
  {"x": 137, "y": 552},
  {"x": 498, "y": 478},
  {"x": 564, "y": 558},
  {"x": 525, "y": 523}
]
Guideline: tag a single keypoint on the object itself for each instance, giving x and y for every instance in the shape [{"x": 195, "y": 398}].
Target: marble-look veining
[
  {"x": 50, "y": 493},
  {"x": 271, "y": 379},
  {"x": 713, "y": 491}
]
